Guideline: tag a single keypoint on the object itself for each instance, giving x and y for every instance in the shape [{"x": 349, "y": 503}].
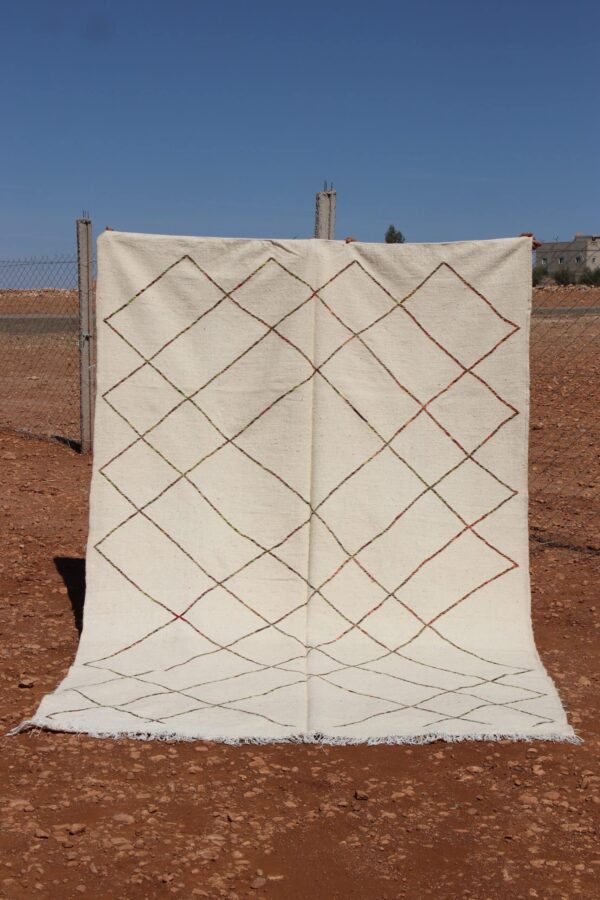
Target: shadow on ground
[
  {"x": 72, "y": 571},
  {"x": 68, "y": 442}
]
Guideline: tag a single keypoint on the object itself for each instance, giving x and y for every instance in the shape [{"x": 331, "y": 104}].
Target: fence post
[
  {"x": 87, "y": 362},
  {"x": 325, "y": 213}
]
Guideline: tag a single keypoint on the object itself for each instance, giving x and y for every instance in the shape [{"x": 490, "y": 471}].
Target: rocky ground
[
  {"x": 39, "y": 369},
  {"x": 573, "y": 295},
  {"x": 48, "y": 302},
  {"x": 132, "y": 819},
  {"x": 128, "y": 819}
]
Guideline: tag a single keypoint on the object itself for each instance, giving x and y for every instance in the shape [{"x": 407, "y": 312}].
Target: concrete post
[
  {"x": 325, "y": 214},
  {"x": 87, "y": 343}
]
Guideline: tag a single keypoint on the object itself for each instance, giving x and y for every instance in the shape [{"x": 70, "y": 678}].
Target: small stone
[
  {"x": 21, "y": 805},
  {"x": 124, "y": 819},
  {"x": 258, "y": 882},
  {"x": 77, "y": 828},
  {"x": 26, "y": 682},
  {"x": 360, "y": 795}
]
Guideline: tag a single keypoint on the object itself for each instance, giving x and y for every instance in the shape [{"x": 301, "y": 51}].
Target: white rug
[{"x": 309, "y": 500}]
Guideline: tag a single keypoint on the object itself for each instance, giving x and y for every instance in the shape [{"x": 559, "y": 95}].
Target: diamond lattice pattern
[{"x": 337, "y": 564}]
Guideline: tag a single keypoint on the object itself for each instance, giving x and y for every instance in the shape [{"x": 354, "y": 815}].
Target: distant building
[{"x": 583, "y": 252}]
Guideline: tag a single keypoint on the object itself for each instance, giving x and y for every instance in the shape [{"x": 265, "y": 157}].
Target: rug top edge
[{"x": 113, "y": 235}]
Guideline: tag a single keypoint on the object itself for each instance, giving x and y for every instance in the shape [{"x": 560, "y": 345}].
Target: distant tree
[
  {"x": 590, "y": 276},
  {"x": 565, "y": 276},
  {"x": 393, "y": 236}
]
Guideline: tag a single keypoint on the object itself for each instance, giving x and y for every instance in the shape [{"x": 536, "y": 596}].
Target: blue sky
[{"x": 451, "y": 120}]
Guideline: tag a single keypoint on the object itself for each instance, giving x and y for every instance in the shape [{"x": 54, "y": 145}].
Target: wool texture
[{"x": 309, "y": 496}]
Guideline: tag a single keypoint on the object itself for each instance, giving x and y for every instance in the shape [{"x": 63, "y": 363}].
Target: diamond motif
[
  {"x": 353, "y": 593},
  {"x": 471, "y": 330},
  {"x": 338, "y": 450},
  {"x": 272, "y": 293},
  {"x": 370, "y": 500},
  {"x": 235, "y": 486},
  {"x": 470, "y": 412},
  {"x": 431, "y": 451},
  {"x": 355, "y": 648},
  {"x": 140, "y": 474},
  {"x": 151, "y": 570},
  {"x": 199, "y": 670},
  {"x": 414, "y": 537},
  {"x": 369, "y": 389},
  {"x": 191, "y": 532},
  {"x": 184, "y": 437},
  {"x": 472, "y": 491},
  {"x": 288, "y": 591},
  {"x": 244, "y": 686},
  {"x": 210, "y": 346},
  {"x": 279, "y": 368},
  {"x": 262, "y": 440},
  {"x": 391, "y": 624},
  {"x": 411, "y": 356},
  {"x": 143, "y": 399},
  {"x": 386, "y": 687},
  {"x": 325, "y": 625},
  {"x": 464, "y": 565},
  {"x": 168, "y": 306},
  {"x": 315, "y": 332},
  {"x": 221, "y": 618},
  {"x": 355, "y": 298}
]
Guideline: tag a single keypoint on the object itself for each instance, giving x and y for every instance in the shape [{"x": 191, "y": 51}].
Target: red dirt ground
[
  {"x": 127, "y": 819},
  {"x": 39, "y": 302},
  {"x": 575, "y": 295},
  {"x": 39, "y": 373}
]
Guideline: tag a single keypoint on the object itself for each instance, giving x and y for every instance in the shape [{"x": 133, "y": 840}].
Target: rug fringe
[{"x": 36, "y": 726}]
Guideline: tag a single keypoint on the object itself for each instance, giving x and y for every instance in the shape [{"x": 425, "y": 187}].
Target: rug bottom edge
[{"x": 567, "y": 735}]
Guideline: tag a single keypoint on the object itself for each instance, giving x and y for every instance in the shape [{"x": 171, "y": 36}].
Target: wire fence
[
  {"x": 39, "y": 347},
  {"x": 564, "y": 462},
  {"x": 40, "y": 387}
]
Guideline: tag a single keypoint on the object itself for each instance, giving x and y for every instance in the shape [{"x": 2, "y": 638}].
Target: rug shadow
[
  {"x": 72, "y": 571},
  {"x": 68, "y": 442}
]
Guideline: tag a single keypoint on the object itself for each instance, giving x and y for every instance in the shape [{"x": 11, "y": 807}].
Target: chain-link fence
[
  {"x": 564, "y": 470},
  {"x": 39, "y": 347},
  {"x": 47, "y": 358}
]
